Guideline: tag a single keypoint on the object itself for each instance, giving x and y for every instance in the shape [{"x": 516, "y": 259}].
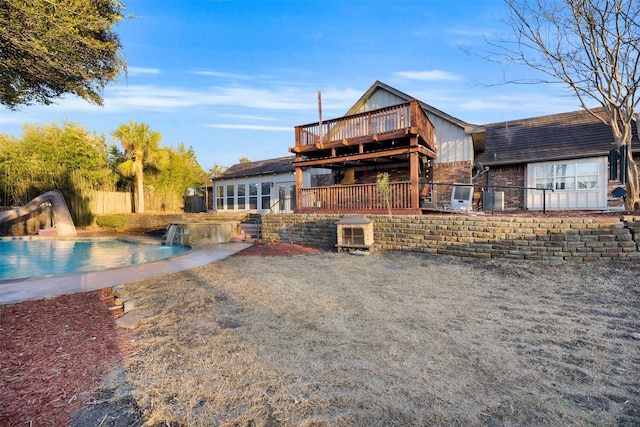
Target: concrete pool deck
[{"x": 38, "y": 288}]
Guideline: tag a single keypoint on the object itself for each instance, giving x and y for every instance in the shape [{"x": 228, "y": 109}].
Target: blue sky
[{"x": 233, "y": 78}]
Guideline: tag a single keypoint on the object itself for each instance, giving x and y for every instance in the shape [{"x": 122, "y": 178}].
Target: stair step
[{"x": 250, "y": 229}]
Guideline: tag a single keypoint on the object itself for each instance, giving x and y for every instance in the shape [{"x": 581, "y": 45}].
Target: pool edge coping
[{"x": 40, "y": 288}]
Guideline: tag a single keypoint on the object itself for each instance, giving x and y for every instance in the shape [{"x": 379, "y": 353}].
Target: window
[
  {"x": 220, "y": 197},
  {"x": 292, "y": 196},
  {"x": 281, "y": 198},
  {"x": 253, "y": 196},
  {"x": 231, "y": 200},
  {"x": 567, "y": 176},
  {"x": 587, "y": 175},
  {"x": 266, "y": 195},
  {"x": 242, "y": 188},
  {"x": 544, "y": 177}
]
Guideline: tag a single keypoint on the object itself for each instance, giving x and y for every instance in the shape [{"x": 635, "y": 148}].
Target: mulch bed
[
  {"x": 54, "y": 354},
  {"x": 277, "y": 249}
]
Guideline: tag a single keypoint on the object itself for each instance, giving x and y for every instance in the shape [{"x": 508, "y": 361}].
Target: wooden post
[
  {"x": 298, "y": 185},
  {"x": 320, "y": 117},
  {"x": 414, "y": 174}
]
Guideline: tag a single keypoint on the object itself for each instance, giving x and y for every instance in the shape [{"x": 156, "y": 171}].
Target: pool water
[{"x": 27, "y": 258}]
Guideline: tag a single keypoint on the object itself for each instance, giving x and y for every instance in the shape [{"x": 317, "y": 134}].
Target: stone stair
[{"x": 250, "y": 230}]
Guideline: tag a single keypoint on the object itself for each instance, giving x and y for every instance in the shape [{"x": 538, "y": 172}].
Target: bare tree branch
[{"x": 590, "y": 46}]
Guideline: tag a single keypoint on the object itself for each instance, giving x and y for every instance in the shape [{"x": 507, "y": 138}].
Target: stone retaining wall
[
  {"x": 570, "y": 239},
  {"x": 633, "y": 224},
  {"x": 303, "y": 229}
]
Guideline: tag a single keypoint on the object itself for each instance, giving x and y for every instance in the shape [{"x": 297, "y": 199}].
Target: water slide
[{"x": 64, "y": 222}]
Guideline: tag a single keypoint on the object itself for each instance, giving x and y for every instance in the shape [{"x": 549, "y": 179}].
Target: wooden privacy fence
[
  {"x": 85, "y": 205},
  {"x": 110, "y": 202},
  {"x": 195, "y": 204},
  {"x": 117, "y": 202}
]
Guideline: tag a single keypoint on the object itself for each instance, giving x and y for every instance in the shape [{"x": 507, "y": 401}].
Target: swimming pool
[{"x": 29, "y": 258}]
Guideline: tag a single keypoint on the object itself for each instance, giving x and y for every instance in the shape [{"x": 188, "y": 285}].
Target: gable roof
[
  {"x": 428, "y": 109},
  {"x": 260, "y": 167},
  {"x": 554, "y": 137}
]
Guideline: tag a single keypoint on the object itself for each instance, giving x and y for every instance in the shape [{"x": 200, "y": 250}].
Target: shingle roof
[
  {"x": 260, "y": 167},
  {"x": 554, "y": 137}
]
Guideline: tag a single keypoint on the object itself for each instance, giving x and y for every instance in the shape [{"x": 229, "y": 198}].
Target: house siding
[
  {"x": 452, "y": 143},
  {"x": 379, "y": 99}
]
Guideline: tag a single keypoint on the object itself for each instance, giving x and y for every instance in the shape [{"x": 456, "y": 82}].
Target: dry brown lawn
[{"x": 391, "y": 339}]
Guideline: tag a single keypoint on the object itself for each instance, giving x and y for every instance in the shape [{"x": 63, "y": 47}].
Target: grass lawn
[{"x": 388, "y": 339}]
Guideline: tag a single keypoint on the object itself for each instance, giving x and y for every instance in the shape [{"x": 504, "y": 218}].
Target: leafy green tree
[
  {"x": 244, "y": 160},
  {"x": 116, "y": 158},
  {"x": 140, "y": 143},
  {"x": 216, "y": 170},
  {"x": 49, "y": 48},
  {"x": 67, "y": 158},
  {"x": 177, "y": 171},
  {"x": 8, "y": 145}
]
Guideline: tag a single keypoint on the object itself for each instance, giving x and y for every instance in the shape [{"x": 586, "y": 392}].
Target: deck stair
[{"x": 250, "y": 229}]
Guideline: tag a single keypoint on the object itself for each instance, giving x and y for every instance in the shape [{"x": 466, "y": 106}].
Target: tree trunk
[
  {"x": 632, "y": 202},
  {"x": 140, "y": 188}
]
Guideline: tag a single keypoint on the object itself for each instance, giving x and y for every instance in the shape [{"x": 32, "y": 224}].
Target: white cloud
[
  {"x": 136, "y": 71},
  {"x": 248, "y": 117},
  {"x": 14, "y": 119},
  {"x": 519, "y": 102},
  {"x": 341, "y": 99},
  {"x": 133, "y": 98},
  {"x": 222, "y": 74},
  {"x": 251, "y": 127},
  {"x": 155, "y": 98},
  {"x": 259, "y": 102},
  {"x": 432, "y": 75},
  {"x": 499, "y": 108}
]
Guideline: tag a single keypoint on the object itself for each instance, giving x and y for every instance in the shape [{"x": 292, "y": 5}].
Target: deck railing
[
  {"x": 357, "y": 197},
  {"x": 374, "y": 122}
]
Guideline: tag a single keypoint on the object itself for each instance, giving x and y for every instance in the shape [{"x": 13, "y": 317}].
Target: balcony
[
  {"x": 384, "y": 132},
  {"x": 359, "y": 147}
]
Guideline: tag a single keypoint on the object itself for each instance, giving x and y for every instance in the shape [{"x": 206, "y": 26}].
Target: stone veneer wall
[
  {"x": 555, "y": 239},
  {"x": 141, "y": 223},
  {"x": 302, "y": 229}
]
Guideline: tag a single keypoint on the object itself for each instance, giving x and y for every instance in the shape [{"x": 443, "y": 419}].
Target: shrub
[{"x": 113, "y": 222}]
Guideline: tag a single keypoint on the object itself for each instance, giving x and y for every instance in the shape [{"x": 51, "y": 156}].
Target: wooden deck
[
  {"x": 356, "y": 198},
  {"x": 398, "y": 137},
  {"x": 366, "y": 135}
]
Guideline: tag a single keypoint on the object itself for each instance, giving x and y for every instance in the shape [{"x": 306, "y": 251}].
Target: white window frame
[
  {"x": 568, "y": 193},
  {"x": 567, "y": 176}
]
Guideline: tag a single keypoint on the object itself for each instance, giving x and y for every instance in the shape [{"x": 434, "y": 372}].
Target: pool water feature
[{"x": 30, "y": 258}]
